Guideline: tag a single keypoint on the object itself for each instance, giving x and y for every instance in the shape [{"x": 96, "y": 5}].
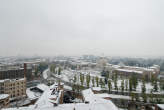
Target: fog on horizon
[{"x": 76, "y": 27}]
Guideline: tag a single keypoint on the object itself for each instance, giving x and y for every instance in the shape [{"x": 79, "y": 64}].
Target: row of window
[
  {"x": 18, "y": 94},
  {"x": 17, "y": 86},
  {"x": 13, "y": 84}
]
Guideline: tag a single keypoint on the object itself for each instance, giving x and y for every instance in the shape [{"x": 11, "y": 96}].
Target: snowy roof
[
  {"x": 87, "y": 94},
  {"x": 42, "y": 87},
  {"x": 113, "y": 96},
  {"x": 11, "y": 68},
  {"x": 31, "y": 95},
  {"x": 78, "y": 106},
  {"x": 25, "y": 102},
  {"x": 121, "y": 64},
  {"x": 97, "y": 88},
  {"x": 3, "y": 96},
  {"x": 161, "y": 106},
  {"x": 67, "y": 87},
  {"x": 116, "y": 66},
  {"x": 97, "y": 103},
  {"x": 20, "y": 79},
  {"x": 84, "y": 63},
  {"x": 135, "y": 68},
  {"x": 131, "y": 71},
  {"x": 45, "y": 99}
]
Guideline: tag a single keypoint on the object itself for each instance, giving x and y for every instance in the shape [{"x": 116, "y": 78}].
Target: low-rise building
[
  {"x": 52, "y": 100},
  {"x": 4, "y": 101},
  {"x": 139, "y": 72}
]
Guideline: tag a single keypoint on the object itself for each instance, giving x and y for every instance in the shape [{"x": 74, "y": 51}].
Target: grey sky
[{"x": 75, "y": 27}]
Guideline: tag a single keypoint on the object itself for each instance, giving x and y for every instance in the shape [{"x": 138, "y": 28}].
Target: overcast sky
[{"x": 76, "y": 27}]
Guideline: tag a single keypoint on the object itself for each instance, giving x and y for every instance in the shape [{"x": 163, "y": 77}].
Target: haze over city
[
  {"x": 73, "y": 27},
  {"x": 81, "y": 55}
]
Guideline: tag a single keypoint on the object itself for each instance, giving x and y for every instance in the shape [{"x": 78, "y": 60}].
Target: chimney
[{"x": 25, "y": 70}]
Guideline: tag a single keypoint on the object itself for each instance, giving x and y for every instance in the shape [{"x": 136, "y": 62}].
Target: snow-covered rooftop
[
  {"x": 46, "y": 99},
  {"x": 113, "y": 96},
  {"x": 97, "y": 88},
  {"x": 3, "y": 96},
  {"x": 78, "y": 106},
  {"x": 161, "y": 106},
  {"x": 97, "y": 103},
  {"x": 131, "y": 71},
  {"x": 42, "y": 87},
  {"x": 30, "y": 94},
  {"x": 135, "y": 68},
  {"x": 67, "y": 87},
  {"x": 20, "y": 79}
]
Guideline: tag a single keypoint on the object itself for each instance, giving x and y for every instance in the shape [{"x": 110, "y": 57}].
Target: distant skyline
[{"x": 76, "y": 27}]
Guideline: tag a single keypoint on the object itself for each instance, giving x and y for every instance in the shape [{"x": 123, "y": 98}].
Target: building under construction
[{"x": 15, "y": 72}]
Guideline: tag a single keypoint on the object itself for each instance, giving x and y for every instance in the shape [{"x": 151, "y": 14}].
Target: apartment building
[
  {"x": 139, "y": 72},
  {"x": 16, "y": 88}
]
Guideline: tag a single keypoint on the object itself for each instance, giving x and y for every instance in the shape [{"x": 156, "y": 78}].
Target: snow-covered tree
[
  {"x": 74, "y": 83},
  {"x": 74, "y": 79},
  {"x": 82, "y": 79},
  {"x": 59, "y": 71},
  {"x": 134, "y": 82},
  {"x": 130, "y": 85},
  {"x": 109, "y": 85},
  {"x": 144, "y": 96},
  {"x": 143, "y": 87},
  {"x": 126, "y": 85},
  {"x": 155, "y": 84},
  {"x": 93, "y": 82},
  {"x": 88, "y": 80},
  {"x": 122, "y": 86},
  {"x": 97, "y": 81},
  {"x": 101, "y": 82},
  {"x": 52, "y": 68},
  {"x": 115, "y": 83}
]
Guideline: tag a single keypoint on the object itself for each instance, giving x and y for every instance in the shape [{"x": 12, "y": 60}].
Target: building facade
[
  {"x": 14, "y": 73},
  {"x": 16, "y": 88},
  {"x": 139, "y": 72}
]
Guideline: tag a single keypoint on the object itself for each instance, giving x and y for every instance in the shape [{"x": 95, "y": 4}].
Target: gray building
[{"x": 14, "y": 73}]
